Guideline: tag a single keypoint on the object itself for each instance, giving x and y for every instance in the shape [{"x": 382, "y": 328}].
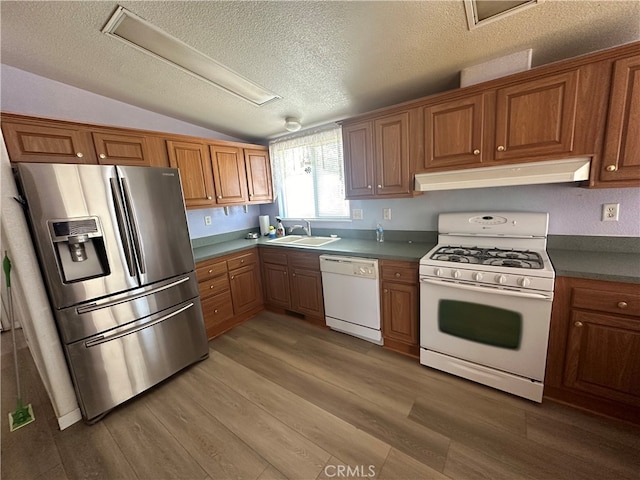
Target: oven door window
[{"x": 479, "y": 323}]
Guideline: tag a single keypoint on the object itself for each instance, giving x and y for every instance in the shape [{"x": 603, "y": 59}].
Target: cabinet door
[
  {"x": 192, "y": 159},
  {"x": 603, "y": 356},
  {"x": 357, "y": 142},
  {"x": 258, "y": 169},
  {"x": 121, "y": 149},
  {"x": 50, "y": 144},
  {"x": 276, "y": 285},
  {"x": 400, "y": 312},
  {"x": 306, "y": 292},
  {"x": 621, "y": 159},
  {"x": 246, "y": 289},
  {"x": 536, "y": 118},
  {"x": 392, "y": 174},
  {"x": 217, "y": 310},
  {"x": 229, "y": 175},
  {"x": 453, "y": 132}
]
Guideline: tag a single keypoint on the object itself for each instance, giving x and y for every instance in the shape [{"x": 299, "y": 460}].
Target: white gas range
[{"x": 485, "y": 300}]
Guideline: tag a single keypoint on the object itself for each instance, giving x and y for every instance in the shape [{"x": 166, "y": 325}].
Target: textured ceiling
[{"x": 328, "y": 60}]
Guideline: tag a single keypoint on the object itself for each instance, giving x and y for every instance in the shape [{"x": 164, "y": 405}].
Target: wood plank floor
[{"x": 280, "y": 399}]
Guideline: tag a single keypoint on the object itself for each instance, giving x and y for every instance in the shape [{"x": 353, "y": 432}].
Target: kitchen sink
[
  {"x": 287, "y": 239},
  {"x": 303, "y": 240}
]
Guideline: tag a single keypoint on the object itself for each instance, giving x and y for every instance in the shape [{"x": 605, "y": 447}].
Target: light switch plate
[
  {"x": 207, "y": 219},
  {"x": 386, "y": 214},
  {"x": 356, "y": 214}
]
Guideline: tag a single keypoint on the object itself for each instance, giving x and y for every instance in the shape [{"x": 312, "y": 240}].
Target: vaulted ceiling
[{"x": 328, "y": 60}]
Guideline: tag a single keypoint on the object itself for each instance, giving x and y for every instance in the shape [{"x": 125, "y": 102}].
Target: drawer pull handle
[
  {"x": 210, "y": 270},
  {"x": 476, "y": 152},
  {"x": 386, "y": 290},
  {"x": 622, "y": 305},
  {"x": 611, "y": 168},
  {"x": 79, "y": 155},
  {"x": 501, "y": 148},
  {"x": 397, "y": 275},
  {"x": 215, "y": 311},
  {"x": 210, "y": 287},
  {"x": 578, "y": 324},
  {"x": 209, "y": 197}
]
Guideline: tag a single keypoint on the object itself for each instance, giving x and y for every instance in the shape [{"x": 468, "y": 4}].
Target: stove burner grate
[{"x": 489, "y": 256}]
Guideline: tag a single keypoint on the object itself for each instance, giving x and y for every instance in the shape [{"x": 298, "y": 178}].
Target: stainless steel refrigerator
[{"x": 114, "y": 250}]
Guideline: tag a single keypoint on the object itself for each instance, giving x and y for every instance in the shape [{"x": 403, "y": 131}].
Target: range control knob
[
  {"x": 501, "y": 279},
  {"x": 437, "y": 272},
  {"x": 524, "y": 282},
  {"x": 455, "y": 273},
  {"x": 477, "y": 276}
]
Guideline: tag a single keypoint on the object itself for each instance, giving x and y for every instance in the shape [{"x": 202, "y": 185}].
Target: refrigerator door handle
[
  {"x": 137, "y": 328},
  {"x": 123, "y": 229},
  {"x": 135, "y": 231},
  {"x": 92, "y": 307}
]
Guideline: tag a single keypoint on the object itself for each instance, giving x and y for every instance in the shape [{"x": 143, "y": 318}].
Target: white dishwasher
[{"x": 351, "y": 290}]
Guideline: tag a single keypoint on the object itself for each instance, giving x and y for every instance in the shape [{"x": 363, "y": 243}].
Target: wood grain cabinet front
[
  {"x": 378, "y": 156},
  {"x": 400, "y": 306},
  {"x": 620, "y": 165},
  {"x": 32, "y": 140},
  {"x": 293, "y": 282},
  {"x": 594, "y": 347},
  {"x": 122, "y": 149},
  {"x": 230, "y": 290}
]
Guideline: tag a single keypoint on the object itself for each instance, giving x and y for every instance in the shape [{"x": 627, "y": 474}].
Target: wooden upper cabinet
[
  {"x": 39, "y": 142},
  {"x": 453, "y": 132},
  {"x": 377, "y": 157},
  {"x": 536, "y": 118},
  {"x": 392, "y": 166},
  {"x": 121, "y": 149},
  {"x": 194, "y": 163},
  {"x": 358, "y": 159},
  {"x": 229, "y": 175},
  {"x": 621, "y": 159},
  {"x": 258, "y": 167}
]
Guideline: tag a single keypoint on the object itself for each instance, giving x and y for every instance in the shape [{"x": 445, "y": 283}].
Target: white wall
[{"x": 28, "y": 94}]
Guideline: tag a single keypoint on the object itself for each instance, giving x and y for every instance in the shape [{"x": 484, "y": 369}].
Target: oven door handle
[{"x": 499, "y": 291}]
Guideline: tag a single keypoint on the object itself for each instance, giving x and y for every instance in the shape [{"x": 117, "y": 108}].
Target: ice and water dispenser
[{"x": 79, "y": 246}]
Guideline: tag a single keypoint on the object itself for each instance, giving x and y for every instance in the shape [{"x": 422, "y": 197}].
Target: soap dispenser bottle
[{"x": 280, "y": 232}]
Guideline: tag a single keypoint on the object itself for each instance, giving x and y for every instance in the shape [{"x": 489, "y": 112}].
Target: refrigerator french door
[{"x": 114, "y": 249}]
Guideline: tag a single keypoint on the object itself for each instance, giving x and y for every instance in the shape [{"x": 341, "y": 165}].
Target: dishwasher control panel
[{"x": 352, "y": 266}]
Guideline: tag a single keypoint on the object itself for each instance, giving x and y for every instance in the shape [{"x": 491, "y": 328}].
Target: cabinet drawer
[
  {"x": 214, "y": 286},
  {"x": 307, "y": 261},
  {"x": 242, "y": 261},
  {"x": 274, "y": 256},
  {"x": 209, "y": 269},
  {"x": 400, "y": 272},
  {"x": 217, "y": 309},
  {"x": 623, "y": 303}
]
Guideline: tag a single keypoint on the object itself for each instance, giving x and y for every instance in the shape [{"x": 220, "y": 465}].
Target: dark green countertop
[
  {"x": 615, "y": 266},
  {"x": 609, "y": 266},
  {"x": 408, "y": 251}
]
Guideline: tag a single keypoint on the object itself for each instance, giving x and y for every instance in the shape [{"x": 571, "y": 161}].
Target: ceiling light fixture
[
  {"x": 144, "y": 36},
  {"x": 292, "y": 124}
]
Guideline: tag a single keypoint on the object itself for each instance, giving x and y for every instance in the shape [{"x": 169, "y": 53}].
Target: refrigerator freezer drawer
[
  {"x": 82, "y": 321},
  {"x": 113, "y": 367}
]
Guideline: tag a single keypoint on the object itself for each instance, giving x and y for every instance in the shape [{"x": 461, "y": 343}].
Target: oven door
[{"x": 504, "y": 329}]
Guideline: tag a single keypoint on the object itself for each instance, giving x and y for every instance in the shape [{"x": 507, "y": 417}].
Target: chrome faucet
[{"x": 306, "y": 229}]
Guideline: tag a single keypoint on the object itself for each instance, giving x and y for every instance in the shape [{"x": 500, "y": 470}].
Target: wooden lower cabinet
[
  {"x": 293, "y": 282},
  {"x": 594, "y": 347},
  {"x": 400, "y": 306},
  {"x": 230, "y": 290}
]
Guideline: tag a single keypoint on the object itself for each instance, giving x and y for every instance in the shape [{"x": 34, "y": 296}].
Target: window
[{"x": 309, "y": 175}]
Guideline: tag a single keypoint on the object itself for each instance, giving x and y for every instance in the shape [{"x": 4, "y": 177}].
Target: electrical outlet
[
  {"x": 356, "y": 214},
  {"x": 386, "y": 214},
  {"x": 610, "y": 212},
  {"x": 207, "y": 219}
]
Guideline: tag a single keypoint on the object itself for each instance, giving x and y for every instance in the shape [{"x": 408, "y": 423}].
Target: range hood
[{"x": 556, "y": 171}]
